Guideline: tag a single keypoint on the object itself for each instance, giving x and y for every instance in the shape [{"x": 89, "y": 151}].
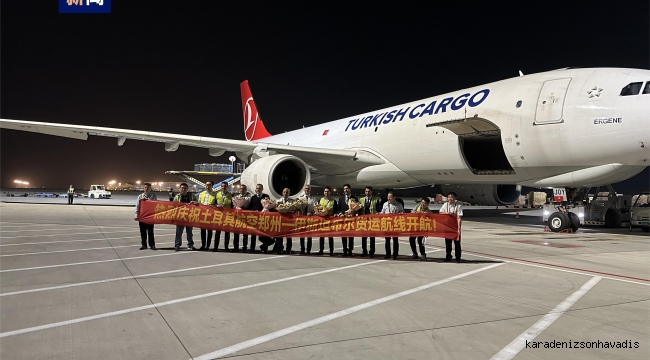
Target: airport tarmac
[{"x": 74, "y": 285}]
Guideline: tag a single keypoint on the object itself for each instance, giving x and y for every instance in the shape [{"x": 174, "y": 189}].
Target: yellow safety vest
[
  {"x": 329, "y": 205},
  {"x": 212, "y": 200},
  {"x": 225, "y": 201},
  {"x": 417, "y": 209},
  {"x": 373, "y": 205}
]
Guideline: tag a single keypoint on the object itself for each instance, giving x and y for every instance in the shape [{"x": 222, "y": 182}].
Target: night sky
[{"x": 175, "y": 66}]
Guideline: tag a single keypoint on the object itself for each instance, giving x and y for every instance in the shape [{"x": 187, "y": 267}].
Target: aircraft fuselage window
[
  {"x": 632, "y": 89},
  {"x": 519, "y": 104},
  {"x": 646, "y": 89}
]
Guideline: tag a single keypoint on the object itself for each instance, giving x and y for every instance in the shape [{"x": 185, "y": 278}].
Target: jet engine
[
  {"x": 493, "y": 195},
  {"x": 276, "y": 172}
]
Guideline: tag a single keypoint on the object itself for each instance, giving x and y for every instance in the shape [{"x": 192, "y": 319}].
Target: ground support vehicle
[
  {"x": 603, "y": 209},
  {"x": 98, "y": 192}
]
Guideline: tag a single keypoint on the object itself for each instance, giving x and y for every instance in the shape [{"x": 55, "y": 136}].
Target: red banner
[{"x": 274, "y": 224}]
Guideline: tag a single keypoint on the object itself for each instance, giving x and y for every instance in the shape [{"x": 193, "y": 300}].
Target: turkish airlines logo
[{"x": 250, "y": 123}]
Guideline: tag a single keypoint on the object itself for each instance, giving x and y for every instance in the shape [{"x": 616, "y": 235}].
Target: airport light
[{"x": 138, "y": 182}]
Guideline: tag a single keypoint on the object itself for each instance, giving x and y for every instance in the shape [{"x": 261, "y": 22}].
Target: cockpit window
[
  {"x": 632, "y": 89},
  {"x": 646, "y": 89}
]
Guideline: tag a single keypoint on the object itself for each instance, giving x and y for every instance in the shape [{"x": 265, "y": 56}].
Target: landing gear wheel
[
  {"x": 558, "y": 221},
  {"x": 575, "y": 221},
  {"x": 612, "y": 219}
]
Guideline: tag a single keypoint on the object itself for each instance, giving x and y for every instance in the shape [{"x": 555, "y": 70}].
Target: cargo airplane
[{"x": 571, "y": 128}]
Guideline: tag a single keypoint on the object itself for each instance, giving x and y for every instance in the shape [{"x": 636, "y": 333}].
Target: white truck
[
  {"x": 640, "y": 213},
  {"x": 98, "y": 192}
]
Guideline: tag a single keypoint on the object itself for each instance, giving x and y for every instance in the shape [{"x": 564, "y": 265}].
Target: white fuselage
[{"x": 559, "y": 128}]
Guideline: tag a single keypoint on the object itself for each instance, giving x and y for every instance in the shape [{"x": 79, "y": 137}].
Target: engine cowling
[
  {"x": 276, "y": 172},
  {"x": 492, "y": 195}
]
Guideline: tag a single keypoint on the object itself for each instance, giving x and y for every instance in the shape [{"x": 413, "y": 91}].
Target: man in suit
[
  {"x": 369, "y": 205},
  {"x": 332, "y": 208},
  {"x": 309, "y": 210},
  {"x": 348, "y": 242},
  {"x": 243, "y": 192},
  {"x": 266, "y": 240},
  {"x": 256, "y": 205}
]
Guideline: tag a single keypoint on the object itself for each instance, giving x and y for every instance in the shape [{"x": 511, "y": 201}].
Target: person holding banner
[
  {"x": 244, "y": 195},
  {"x": 185, "y": 197},
  {"x": 330, "y": 207},
  {"x": 256, "y": 205},
  {"x": 392, "y": 207},
  {"x": 278, "y": 241},
  {"x": 145, "y": 229},
  {"x": 369, "y": 205},
  {"x": 224, "y": 199},
  {"x": 422, "y": 207},
  {"x": 348, "y": 242},
  {"x": 266, "y": 240},
  {"x": 309, "y": 210},
  {"x": 452, "y": 207},
  {"x": 207, "y": 197}
]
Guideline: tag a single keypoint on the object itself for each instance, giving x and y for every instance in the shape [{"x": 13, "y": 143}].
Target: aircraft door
[{"x": 550, "y": 103}]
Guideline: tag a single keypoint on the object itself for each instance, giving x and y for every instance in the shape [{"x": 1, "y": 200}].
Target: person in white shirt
[
  {"x": 278, "y": 241},
  {"x": 309, "y": 210},
  {"x": 452, "y": 207},
  {"x": 392, "y": 207},
  {"x": 243, "y": 192}
]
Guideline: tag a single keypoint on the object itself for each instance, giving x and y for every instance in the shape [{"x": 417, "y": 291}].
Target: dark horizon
[{"x": 176, "y": 68}]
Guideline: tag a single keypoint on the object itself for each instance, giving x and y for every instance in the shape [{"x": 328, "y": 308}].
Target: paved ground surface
[{"x": 73, "y": 285}]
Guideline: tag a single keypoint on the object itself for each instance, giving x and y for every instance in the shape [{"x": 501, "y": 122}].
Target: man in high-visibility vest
[
  {"x": 207, "y": 197},
  {"x": 224, "y": 199},
  {"x": 332, "y": 208},
  {"x": 70, "y": 194},
  {"x": 369, "y": 205}
]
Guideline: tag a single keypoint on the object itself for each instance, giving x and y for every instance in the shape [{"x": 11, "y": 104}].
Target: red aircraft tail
[{"x": 253, "y": 126}]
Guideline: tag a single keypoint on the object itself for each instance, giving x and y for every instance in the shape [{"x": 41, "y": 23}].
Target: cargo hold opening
[{"x": 480, "y": 144}]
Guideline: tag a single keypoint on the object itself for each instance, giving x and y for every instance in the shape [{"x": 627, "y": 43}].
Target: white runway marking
[
  {"x": 512, "y": 349},
  {"x": 66, "y": 229},
  {"x": 177, "y": 301},
  {"x": 98, "y": 261},
  {"x": 87, "y": 233},
  {"x": 86, "y": 249},
  {"x": 13, "y": 224},
  {"x": 136, "y": 276},
  {"x": 66, "y": 241},
  {"x": 286, "y": 331},
  {"x": 553, "y": 268}
]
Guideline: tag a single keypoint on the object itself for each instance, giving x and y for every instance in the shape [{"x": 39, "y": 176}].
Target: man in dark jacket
[
  {"x": 256, "y": 205},
  {"x": 348, "y": 242}
]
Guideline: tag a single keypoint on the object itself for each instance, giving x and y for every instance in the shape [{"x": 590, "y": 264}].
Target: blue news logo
[{"x": 84, "y": 6}]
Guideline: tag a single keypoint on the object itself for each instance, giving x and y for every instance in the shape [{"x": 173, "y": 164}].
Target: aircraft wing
[{"x": 322, "y": 161}]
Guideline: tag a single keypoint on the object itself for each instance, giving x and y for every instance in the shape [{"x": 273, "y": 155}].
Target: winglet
[{"x": 253, "y": 126}]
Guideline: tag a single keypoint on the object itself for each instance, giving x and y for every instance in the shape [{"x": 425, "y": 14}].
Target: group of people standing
[{"x": 369, "y": 204}]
